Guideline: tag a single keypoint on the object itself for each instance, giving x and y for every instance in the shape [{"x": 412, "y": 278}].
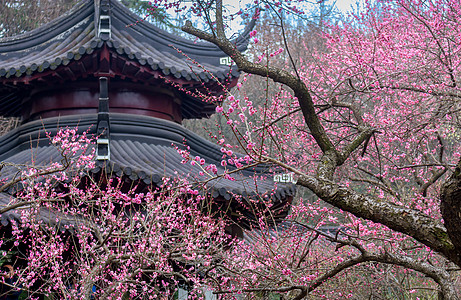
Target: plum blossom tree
[
  {"x": 84, "y": 236},
  {"x": 369, "y": 125}
]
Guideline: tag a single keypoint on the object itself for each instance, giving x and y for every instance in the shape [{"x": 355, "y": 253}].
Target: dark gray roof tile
[
  {"x": 141, "y": 147},
  {"x": 74, "y": 34}
]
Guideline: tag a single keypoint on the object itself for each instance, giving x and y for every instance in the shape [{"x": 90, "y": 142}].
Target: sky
[
  {"x": 345, "y": 5},
  {"x": 233, "y": 6}
]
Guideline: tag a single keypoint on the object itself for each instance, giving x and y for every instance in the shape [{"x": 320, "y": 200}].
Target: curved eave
[
  {"x": 168, "y": 59},
  {"x": 142, "y": 148},
  {"x": 48, "y": 54},
  {"x": 71, "y": 36},
  {"x": 81, "y": 42}
]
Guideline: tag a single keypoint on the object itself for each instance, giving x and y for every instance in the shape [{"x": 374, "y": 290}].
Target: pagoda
[{"x": 130, "y": 85}]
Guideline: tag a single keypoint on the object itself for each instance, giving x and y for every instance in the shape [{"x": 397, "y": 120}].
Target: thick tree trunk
[{"x": 450, "y": 207}]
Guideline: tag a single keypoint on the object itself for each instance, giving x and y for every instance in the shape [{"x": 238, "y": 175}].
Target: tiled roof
[
  {"x": 142, "y": 148},
  {"x": 75, "y": 34},
  {"x": 74, "y": 47}
]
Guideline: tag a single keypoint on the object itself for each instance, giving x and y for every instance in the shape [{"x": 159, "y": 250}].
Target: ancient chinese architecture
[{"x": 131, "y": 85}]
